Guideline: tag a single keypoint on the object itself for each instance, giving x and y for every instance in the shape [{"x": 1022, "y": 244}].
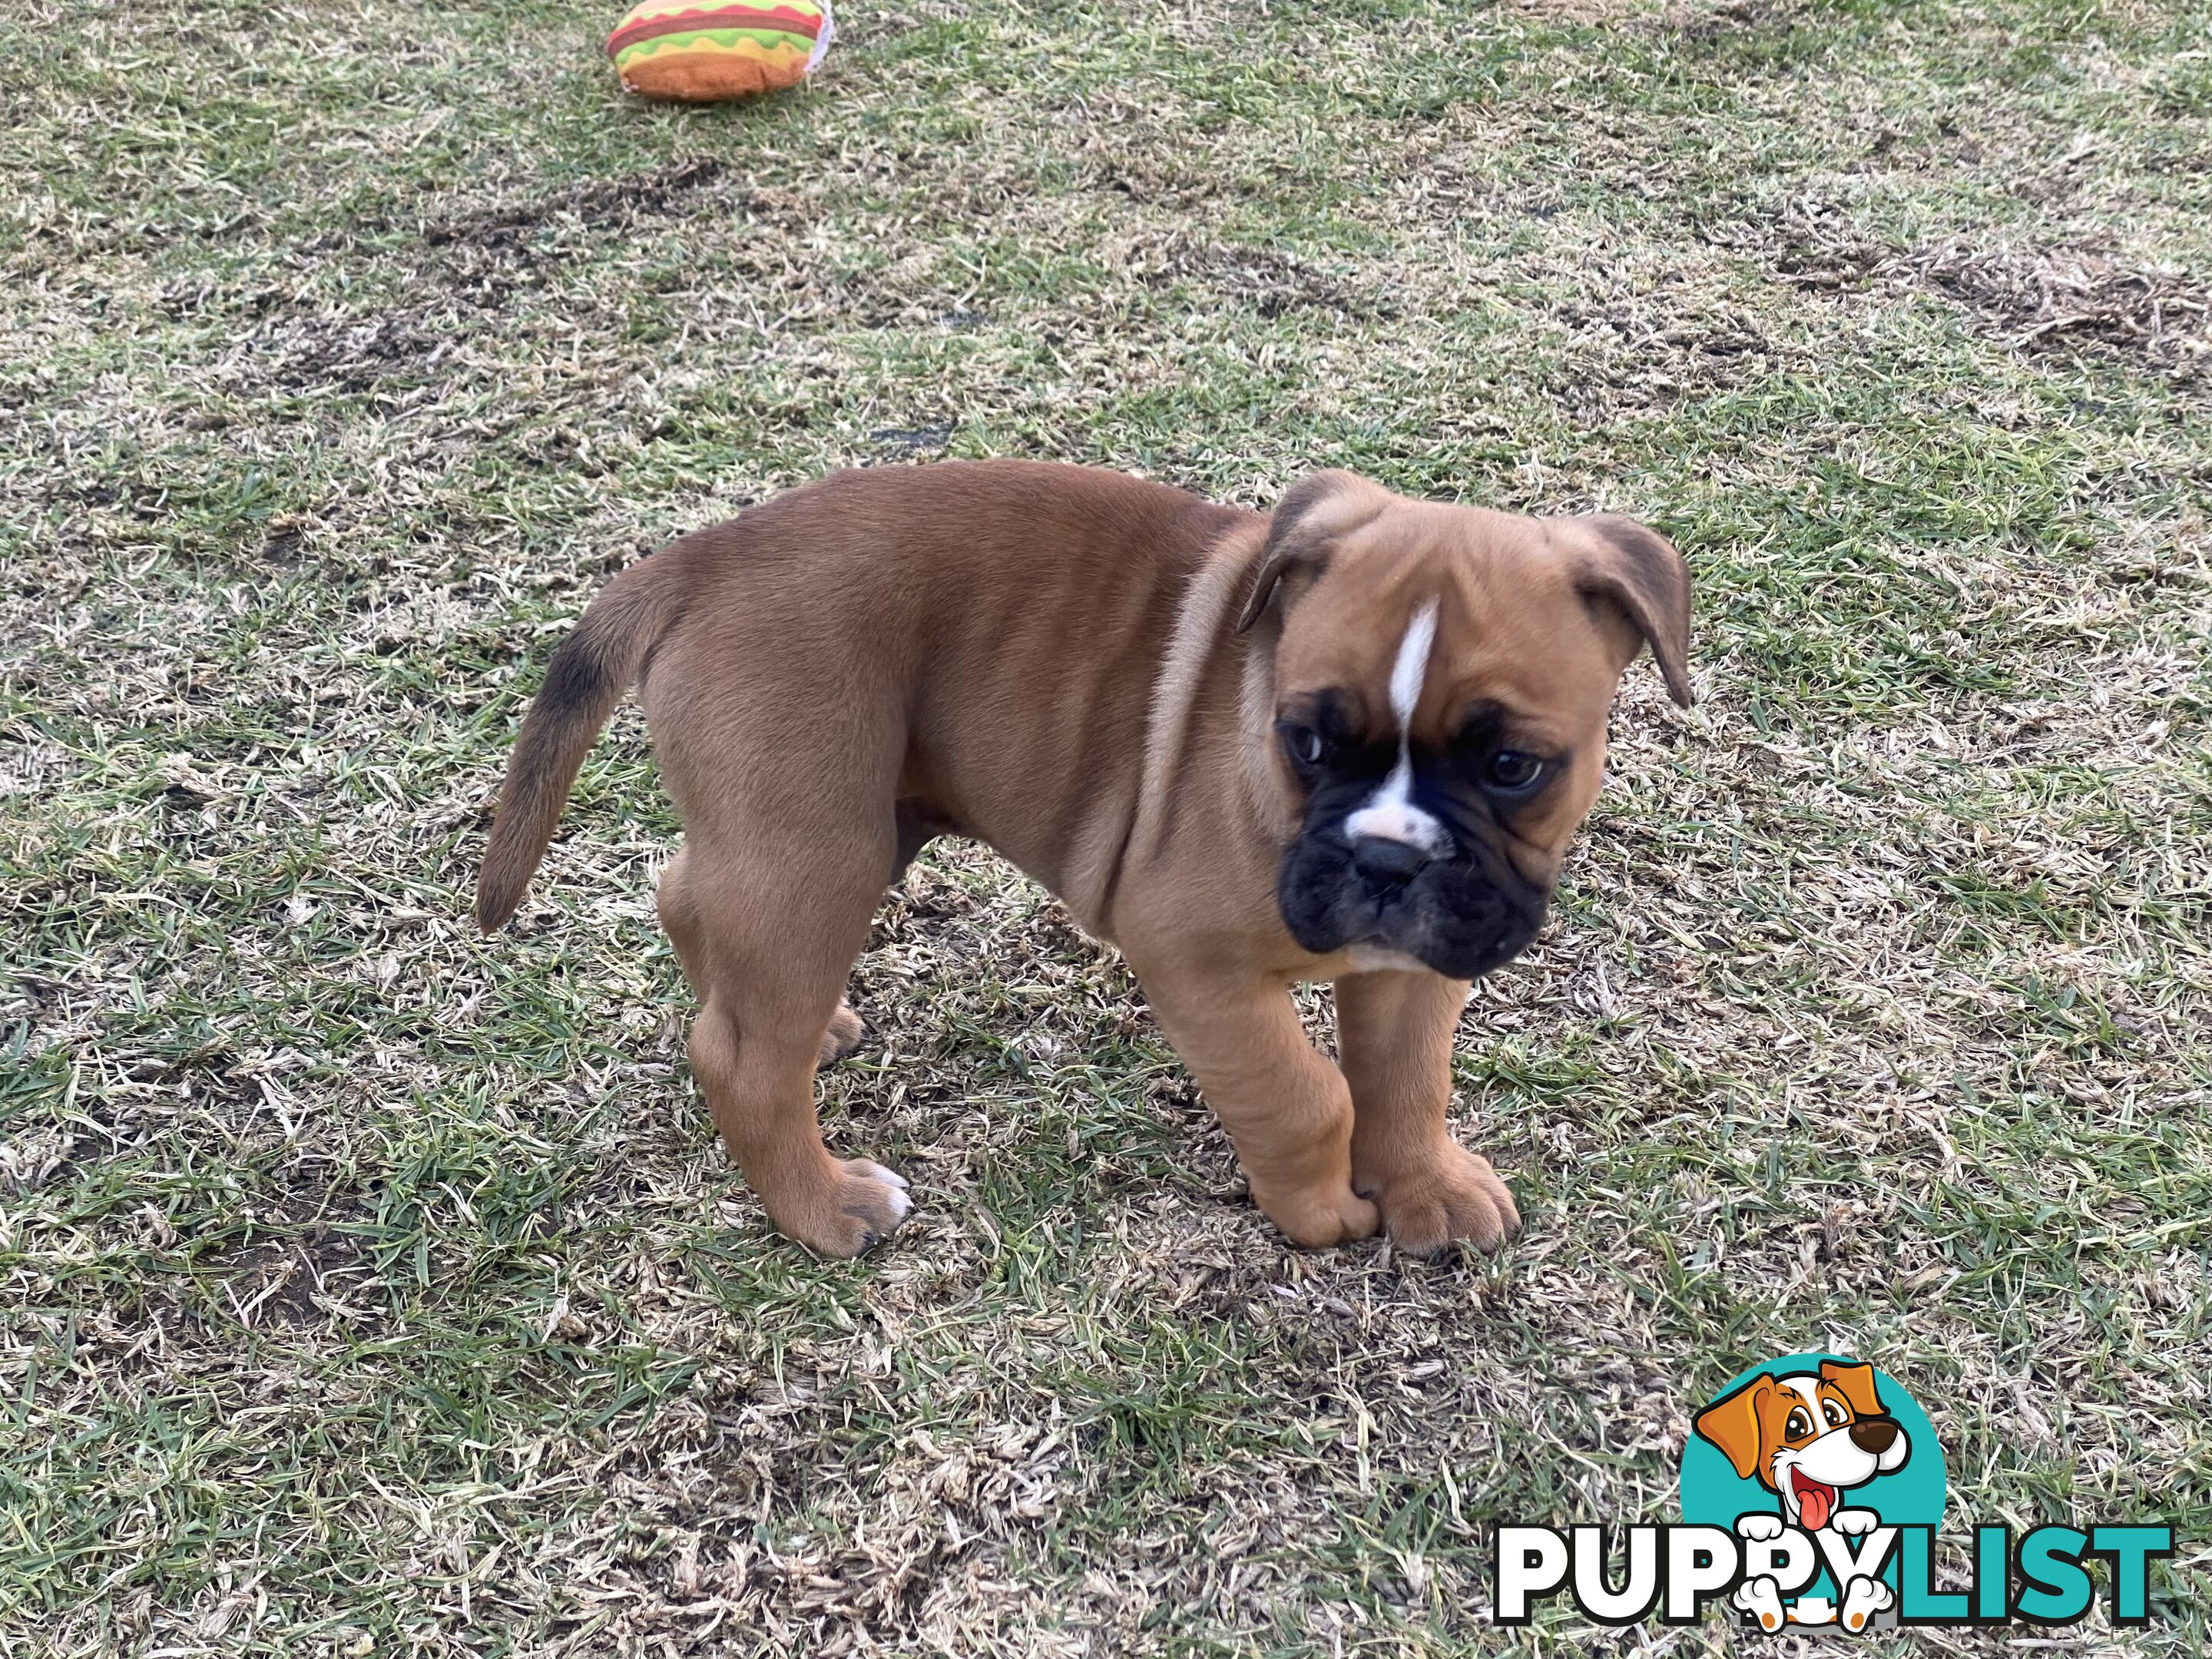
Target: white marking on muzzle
[{"x": 1389, "y": 814}]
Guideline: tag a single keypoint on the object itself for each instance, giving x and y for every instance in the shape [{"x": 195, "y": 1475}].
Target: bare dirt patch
[
  {"x": 2036, "y": 298},
  {"x": 2046, "y": 299},
  {"x": 604, "y": 202}
]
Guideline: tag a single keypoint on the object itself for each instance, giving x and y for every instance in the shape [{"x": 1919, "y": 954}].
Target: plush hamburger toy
[{"x": 699, "y": 51}]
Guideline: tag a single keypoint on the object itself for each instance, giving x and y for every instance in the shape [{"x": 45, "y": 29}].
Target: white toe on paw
[
  {"x": 1759, "y": 1528},
  {"x": 901, "y": 1204},
  {"x": 1763, "y": 1598},
  {"x": 1865, "y": 1598},
  {"x": 1854, "y": 1522}
]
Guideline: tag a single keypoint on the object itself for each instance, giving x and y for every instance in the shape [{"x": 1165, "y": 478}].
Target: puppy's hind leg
[
  {"x": 768, "y": 935},
  {"x": 916, "y": 827},
  {"x": 843, "y": 1035},
  {"x": 679, "y": 916}
]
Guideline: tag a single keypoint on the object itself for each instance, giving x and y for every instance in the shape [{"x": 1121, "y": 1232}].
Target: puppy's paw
[
  {"x": 1759, "y": 1526},
  {"x": 1864, "y": 1598},
  {"x": 1457, "y": 1195},
  {"x": 861, "y": 1204},
  {"x": 844, "y": 1034},
  {"x": 1318, "y": 1217},
  {"x": 1762, "y": 1599},
  {"x": 1853, "y": 1522}
]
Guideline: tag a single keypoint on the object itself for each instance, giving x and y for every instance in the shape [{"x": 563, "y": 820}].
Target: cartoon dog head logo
[
  {"x": 1814, "y": 1461},
  {"x": 1812, "y": 1490},
  {"x": 1808, "y": 1437}
]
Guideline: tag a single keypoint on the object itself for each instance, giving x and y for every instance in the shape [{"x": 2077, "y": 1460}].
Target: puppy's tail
[{"x": 596, "y": 664}]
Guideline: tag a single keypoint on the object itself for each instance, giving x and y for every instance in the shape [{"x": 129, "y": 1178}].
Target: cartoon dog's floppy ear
[
  {"x": 1732, "y": 1423},
  {"x": 1856, "y": 1382},
  {"x": 1318, "y": 506}
]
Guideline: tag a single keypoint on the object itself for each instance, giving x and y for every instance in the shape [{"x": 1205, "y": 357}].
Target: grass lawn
[{"x": 369, "y": 1287}]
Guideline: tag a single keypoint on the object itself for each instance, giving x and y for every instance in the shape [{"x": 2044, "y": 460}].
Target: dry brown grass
[{"x": 369, "y": 1287}]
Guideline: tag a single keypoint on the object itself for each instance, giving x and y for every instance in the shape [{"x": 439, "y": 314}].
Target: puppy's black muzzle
[
  {"x": 1463, "y": 911},
  {"x": 1387, "y": 865}
]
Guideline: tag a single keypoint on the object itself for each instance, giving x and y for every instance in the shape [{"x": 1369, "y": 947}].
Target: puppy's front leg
[
  {"x": 1287, "y": 1107},
  {"x": 1394, "y": 1030}
]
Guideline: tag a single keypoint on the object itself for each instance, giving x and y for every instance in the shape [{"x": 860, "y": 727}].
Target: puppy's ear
[
  {"x": 1312, "y": 511},
  {"x": 1856, "y": 1382},
  {"x": 1636, "y": 571},
  {"x": 1732, "y": 1423}
]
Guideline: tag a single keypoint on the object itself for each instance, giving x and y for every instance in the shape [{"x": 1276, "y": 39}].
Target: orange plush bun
[{"x": 701, "y": 51}]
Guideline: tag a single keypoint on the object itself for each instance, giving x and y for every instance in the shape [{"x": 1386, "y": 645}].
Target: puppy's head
[
  {"x": 1808, "y": 1436},
  {"x": 1442, "y": 676}
]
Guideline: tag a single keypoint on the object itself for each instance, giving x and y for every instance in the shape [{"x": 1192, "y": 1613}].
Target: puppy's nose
[
  {"x": 1872, "y": 1434},
  {"x": 1385, "y": 862}
]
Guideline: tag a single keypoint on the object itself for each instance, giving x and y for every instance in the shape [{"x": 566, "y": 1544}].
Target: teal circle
[{"x": 1912, "y": 1494}]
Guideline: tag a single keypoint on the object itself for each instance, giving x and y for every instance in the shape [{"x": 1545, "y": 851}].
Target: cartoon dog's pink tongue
[{"x": 1816, "y": 1500}]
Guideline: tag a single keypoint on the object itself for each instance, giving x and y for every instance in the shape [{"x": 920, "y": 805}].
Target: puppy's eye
[
  {"x": 1799, "y": 1425},
  {"x": 1512, "y": 770},
  {"x": 1304, "y": 743},
  {"x": 1833, "y": 1412}
]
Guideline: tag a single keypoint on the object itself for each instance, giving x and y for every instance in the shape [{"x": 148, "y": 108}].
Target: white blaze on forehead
[
  {"x": 1412, "y": 666},
  {"x": 1810, "y": 1388},
  {"x": 1389, "y": 814}
]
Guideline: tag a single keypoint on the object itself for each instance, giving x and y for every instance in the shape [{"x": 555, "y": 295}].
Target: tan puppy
[{"x": 1347, "y": 743}]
